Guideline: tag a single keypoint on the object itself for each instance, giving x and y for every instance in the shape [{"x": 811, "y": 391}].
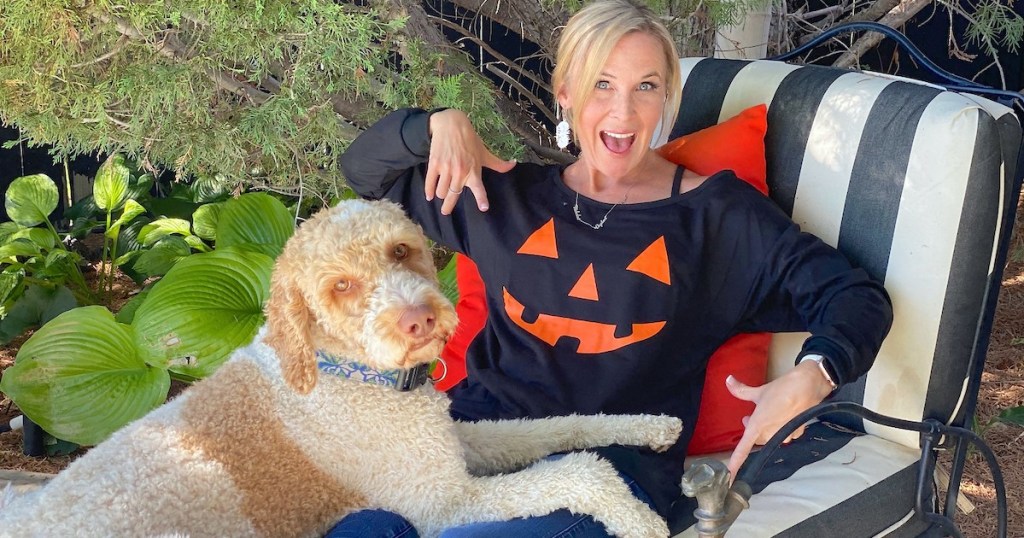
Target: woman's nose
[{"x": 623, "y": 104}]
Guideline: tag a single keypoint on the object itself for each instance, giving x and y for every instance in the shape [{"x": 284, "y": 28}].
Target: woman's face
[{"x": 615, "y": 126}]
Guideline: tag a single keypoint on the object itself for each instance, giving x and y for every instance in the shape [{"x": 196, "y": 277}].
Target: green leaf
[
  {"x": 132, "y": 209},
  {"x": 36, "y": 307},
  {"x": 84, "y": 208},
  {"x": 31, "y": 199},
  {"x": 59, "y": 447},
  {"x": 81, "y": 377},
  {"x": 449, "y": 286},
  {"x": 256, "y": 221},
  {"x": 161, "y": 228},
  {"x": 8, "y": 283},
  {"x": 111, "y": 186},
  {"x": 203, "y": 309},
  {"x": 1013, "y": 415},
  {"x": 19, "y": 247},
  {"x": 40, "y": 236},
  {"x": 197, "y": 244},
  {"x": 7, "y": 229},
  {"x": 139, "y": 187},
  {"x": 204, "y": 220},
  {"x": 62, "y": 258},
  {"x": 127, "y": 312},
  {"x": 210, "y": 188},
  {"x": 82, "y": 227},
  {"x": 162, "y": 256},
  {"x": 172, "y": 207}
]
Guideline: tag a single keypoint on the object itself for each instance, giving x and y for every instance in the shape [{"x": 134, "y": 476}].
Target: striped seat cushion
[
  {"x": 910, "y": 182},
  {"x": 832, "y": 482},
  {"x": 915, "y": 185}
]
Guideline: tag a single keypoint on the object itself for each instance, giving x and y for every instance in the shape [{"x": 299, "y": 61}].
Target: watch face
[{"x": 823, "y": 366}]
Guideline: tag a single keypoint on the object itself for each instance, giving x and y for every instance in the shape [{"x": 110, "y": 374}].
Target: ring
[{"x": 456, "y": 192}]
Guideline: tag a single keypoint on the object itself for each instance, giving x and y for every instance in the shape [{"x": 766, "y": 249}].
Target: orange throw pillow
[{"x": 736, "y": 144}]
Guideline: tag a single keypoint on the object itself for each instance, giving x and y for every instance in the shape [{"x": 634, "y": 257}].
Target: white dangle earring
[{"x": 561, "y": 130}]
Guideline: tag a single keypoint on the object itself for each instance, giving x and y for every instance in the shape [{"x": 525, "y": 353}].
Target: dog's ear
[{"x": 289, "y": 332}]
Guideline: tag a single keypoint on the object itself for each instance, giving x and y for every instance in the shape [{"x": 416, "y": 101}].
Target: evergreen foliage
[{"x": 262, "y": 91}]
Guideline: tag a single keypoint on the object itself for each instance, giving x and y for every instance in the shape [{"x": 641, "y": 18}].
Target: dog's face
[{"x": 356, "y": 281}]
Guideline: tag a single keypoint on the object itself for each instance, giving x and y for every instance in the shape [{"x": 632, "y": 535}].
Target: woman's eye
[
  {"x": 401, "y": 251},
  {"x": 602, "y": 85},
  {"x": 648, "y": 86},
  {"x": 342, "y": 285}
]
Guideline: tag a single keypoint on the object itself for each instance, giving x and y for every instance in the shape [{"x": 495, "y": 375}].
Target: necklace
[{"x": 600, "y": 223}]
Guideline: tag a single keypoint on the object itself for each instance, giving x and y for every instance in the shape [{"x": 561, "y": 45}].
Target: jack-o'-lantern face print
[{"x": 593, "y": 337}]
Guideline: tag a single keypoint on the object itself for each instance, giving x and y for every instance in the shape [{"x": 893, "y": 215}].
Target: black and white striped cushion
[{"x": 912, "y": 183}]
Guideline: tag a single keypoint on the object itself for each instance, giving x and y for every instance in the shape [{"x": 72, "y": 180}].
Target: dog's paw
[
  {"x": 665, "y": 432},
  {"x": 637, "y": 522}
]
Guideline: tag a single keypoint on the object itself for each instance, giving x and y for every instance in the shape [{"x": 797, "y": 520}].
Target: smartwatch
[{"x": 821, "y": 367}]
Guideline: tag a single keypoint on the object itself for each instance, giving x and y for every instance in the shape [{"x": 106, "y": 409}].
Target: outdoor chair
[{"x": 918, "y": 184}]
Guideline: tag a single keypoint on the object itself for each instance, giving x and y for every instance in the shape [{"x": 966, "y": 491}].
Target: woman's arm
[
  {"x": 807, "y": 285},
  {"x": 392, "y": 148},
  {"x": 390, "y": 160}
]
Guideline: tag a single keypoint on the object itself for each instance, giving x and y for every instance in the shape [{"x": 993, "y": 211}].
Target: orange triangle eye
[
  {"x": 653, "y": 262},
  {"x": 586, "y": 286},
  {"x": 541, "y": 242}
]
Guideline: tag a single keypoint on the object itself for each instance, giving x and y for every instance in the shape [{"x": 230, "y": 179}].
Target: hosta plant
[{"x": 86, "y": 373}]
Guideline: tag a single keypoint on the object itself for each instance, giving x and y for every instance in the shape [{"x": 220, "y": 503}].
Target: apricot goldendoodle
[{"x": 300, "y": 427}]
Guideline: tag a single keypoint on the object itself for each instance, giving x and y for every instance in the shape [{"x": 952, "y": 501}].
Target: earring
[{"x": 561, "y": 130}]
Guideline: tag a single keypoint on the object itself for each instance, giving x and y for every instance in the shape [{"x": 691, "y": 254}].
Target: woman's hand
[
  {"x": 457, "y": 155},
  {"x": 776, "y": 403}
]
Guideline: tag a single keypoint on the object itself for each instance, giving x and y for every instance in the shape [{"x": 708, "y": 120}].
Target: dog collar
[{"x": 402, "y": 380}]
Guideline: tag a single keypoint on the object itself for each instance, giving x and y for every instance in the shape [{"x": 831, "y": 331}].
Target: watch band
[{"x": 821, "y": 367}]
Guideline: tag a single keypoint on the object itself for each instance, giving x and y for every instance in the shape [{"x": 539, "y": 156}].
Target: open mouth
[{"x": 618, "y": 143}]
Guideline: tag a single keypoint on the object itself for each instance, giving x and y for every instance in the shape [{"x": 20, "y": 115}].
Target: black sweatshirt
[{"x": 622, "y": 319}]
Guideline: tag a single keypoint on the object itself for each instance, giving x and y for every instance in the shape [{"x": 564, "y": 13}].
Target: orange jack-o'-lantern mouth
[{"x": 593, "y": 337}]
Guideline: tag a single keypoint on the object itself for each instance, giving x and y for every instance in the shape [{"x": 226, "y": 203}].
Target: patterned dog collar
[{"x": 402, "y": 380}]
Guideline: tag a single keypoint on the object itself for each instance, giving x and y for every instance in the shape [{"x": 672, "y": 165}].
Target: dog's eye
[
  {"x": 342, "y": 285},
  {"x": 401, "y": 251}
]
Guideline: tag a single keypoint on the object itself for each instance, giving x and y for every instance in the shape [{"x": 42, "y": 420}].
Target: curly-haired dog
[{"x": 300, "y": 427}]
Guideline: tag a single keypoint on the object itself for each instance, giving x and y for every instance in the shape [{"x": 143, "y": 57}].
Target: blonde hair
[{"x": 587, "y": 41}]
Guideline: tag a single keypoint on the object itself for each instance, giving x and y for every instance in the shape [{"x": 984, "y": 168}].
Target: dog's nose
[{"x": 417, "y": 321}]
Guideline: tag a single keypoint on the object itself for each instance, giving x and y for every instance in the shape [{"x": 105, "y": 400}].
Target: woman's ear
[
  {"x": 289, "y": 333},
  {"x": 562, "y": 97}
]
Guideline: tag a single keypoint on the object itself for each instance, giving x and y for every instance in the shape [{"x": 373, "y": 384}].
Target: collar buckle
[{"x": 413, "y": 378}]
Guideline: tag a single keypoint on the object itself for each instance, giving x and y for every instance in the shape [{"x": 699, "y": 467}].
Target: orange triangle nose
[{"x": 586, "y": 286}]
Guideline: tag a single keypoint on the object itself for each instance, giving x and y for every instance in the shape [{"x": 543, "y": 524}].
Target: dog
[{"x": 304, "y": 425}]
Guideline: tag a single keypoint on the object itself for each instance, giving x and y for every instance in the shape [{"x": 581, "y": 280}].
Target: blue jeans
[{"x": 557, "y": 524}]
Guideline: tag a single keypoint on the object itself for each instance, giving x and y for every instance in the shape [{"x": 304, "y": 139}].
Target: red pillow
[
  {"x": 736, "y": 144},
  {"x": 472, "y": 311}
]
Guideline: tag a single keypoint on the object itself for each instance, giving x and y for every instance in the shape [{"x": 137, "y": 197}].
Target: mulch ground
[{"x": 1002, "y": 387}]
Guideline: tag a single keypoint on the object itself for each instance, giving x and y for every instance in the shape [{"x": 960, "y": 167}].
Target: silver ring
[{"x": 456, "y": 192}]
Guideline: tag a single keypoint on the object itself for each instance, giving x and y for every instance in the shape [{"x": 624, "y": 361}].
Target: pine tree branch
[
  {"x": 422, "y": 26},
  {"x": 897, "y": 16},
  {"x": 873, "y": 12},
  {"x": 169, "y": 50},
  {"x": 531, "y": 20},
  {"x": 490, "y": 50},
  {"x": 522, "y": 91}
]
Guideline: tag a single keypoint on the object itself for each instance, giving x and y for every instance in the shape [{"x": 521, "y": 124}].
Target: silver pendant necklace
[{"x": 600, "y": 223}]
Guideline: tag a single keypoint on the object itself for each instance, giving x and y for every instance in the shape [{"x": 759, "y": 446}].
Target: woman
[{"x": 611, "y": 281}]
